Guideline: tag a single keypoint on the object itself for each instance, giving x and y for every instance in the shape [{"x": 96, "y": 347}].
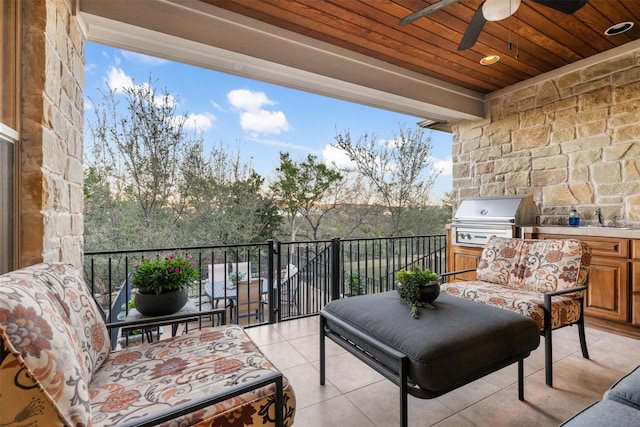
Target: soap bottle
[{"x": 574, "y": 218}]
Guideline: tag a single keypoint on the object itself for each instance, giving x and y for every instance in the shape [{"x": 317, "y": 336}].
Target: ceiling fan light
[
  {"x": 491, "y": 59},
  {"x": 620, "y": 28},
  {"x": 496, "y": 10}
]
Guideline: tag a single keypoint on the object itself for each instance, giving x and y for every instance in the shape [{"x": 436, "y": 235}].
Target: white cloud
[
  {"x": 118, "y": 80},
  {"x": 263, "y": 121},
  {"x": 444, "y": 165},
  {"x": 200, "y": 122},
  {"x": 253, "y": 117},
  {"x": 247, "y": 100},
  {"x": 332, "y": 155}
]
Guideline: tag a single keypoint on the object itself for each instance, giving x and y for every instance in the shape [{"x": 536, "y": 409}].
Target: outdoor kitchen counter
[{"x": 625, "y": 233}]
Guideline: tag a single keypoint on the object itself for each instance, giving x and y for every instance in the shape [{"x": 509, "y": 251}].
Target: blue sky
[{"x": 264, "y": 119}]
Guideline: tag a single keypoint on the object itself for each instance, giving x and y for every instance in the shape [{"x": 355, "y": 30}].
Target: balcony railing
[{"x": 299, "y": 277}]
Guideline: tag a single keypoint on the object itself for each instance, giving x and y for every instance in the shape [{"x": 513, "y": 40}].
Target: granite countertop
[{"x": 627, "y": 233}]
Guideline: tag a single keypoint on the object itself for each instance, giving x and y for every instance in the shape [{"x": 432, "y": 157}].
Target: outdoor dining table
[{"x": 220, "y": 292}]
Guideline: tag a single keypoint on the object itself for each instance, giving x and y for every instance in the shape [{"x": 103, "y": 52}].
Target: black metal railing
[{"x": 298, "y": 278}]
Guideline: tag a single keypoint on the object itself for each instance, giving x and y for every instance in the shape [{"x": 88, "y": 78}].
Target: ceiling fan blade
[
  {"x": 473, "y": 30},
  {"x": 565, "y": 6},
  {"x": 426, "y": 10}
]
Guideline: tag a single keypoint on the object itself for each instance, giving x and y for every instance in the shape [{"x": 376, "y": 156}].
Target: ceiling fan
[{"x": 491, "y": 10}]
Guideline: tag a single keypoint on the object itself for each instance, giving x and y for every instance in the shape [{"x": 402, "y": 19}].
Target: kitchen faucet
[{"x": 600, "y": 220}]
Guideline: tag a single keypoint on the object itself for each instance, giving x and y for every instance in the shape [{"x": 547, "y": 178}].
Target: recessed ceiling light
[
  {"x": 618, "y": 28},
  {"x": 491, "y": 59}
]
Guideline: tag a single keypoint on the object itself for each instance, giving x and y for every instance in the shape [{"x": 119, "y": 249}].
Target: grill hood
[{"x": 518, "y": 210}]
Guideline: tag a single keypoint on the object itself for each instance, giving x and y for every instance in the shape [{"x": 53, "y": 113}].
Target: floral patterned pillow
[
  {"x": 40, "y": 310},
  {"x": 554, "y": 265},
  {"x": 501, "y": 262},
  {"x": 83, "y": 314}
]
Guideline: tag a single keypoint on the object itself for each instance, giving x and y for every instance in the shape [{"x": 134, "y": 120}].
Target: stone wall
[
  {"x": 50, "y": 174},
  {"x": 571, "y": 141}
]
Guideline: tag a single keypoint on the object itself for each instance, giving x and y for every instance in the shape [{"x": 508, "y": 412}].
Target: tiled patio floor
[{"x": 356, "y": 396}]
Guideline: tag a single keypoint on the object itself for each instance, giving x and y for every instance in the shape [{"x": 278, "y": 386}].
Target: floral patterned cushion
[
  {"x": 564, "y": 310},
  {"x": 55, "y": 366},
  {"x": 50, "y": 322},
  {"x": 534, "y": 265},
  {"x": 152, "y": 377}
]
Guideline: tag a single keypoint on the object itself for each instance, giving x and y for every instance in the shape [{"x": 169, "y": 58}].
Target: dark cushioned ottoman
[
  {"x": 627, "y": 390},
  {"x": 605, "y": 413},
  {"x": 446, "y": 348}
]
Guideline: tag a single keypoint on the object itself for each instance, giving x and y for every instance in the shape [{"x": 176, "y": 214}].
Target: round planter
[
  {"x": 152, "y": 304},
  {"x": 429, "y": 293}
]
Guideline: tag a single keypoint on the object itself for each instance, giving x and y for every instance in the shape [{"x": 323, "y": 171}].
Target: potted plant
[
  {"x": 418, "y": 288},
  {"x": 163, "y": 283},
  {"x": 353, "y": 284},
  {"x": 235, "y": 277}
]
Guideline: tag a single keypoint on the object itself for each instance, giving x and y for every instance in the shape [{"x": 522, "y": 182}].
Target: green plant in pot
[
  {"x": 418, "y": 288},
  {"x": 353, "y": 284},
  {"x": 163, "y": 283},
  {"x": 235, "y": 277}
]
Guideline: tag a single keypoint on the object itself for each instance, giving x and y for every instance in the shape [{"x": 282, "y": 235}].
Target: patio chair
[
  {"x": 243, "y": 268},
  {"x": 249, "y": 300}
]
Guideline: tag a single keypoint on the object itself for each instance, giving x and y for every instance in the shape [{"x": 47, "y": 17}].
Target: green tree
[
  {"x": 301, "y": 188},
  {"x": 148, "y": 183},
  {"x": 400, "y": 170}
]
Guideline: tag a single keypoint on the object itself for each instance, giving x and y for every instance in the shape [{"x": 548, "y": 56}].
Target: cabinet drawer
[
  {"x": 635, "y": 249},
  {"x": 610, "y": 247}
]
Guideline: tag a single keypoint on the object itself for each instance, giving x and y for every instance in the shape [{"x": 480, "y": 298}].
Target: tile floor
[{"x": 356, "y": 396}]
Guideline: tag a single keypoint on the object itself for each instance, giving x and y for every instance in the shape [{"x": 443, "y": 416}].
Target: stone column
[{"x": 49, "y": 167}]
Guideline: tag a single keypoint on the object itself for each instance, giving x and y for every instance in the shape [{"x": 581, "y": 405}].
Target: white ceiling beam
[{"x": 197, "y": 33}]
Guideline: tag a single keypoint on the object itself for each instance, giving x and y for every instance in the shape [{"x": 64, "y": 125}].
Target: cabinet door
[
  {"x": 635, "y": 295},
  {"x": 608, "y": 292},
  {"x": 463, "y": 258}
]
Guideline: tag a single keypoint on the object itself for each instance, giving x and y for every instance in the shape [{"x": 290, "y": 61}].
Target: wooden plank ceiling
[{"x": 543, "y": 38}]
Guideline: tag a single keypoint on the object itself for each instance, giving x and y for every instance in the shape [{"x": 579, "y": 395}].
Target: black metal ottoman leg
[
  {"x": 521, "y": 379},
  {"x": 322, "y": 350},
  {"x": 404, "y": 393}
]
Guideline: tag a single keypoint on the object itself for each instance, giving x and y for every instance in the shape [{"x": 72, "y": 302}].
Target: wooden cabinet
[
  {"x": 635, "y": 282},
  {"x": 461, "y": 258},
  {"x": 609, "y": 293}
]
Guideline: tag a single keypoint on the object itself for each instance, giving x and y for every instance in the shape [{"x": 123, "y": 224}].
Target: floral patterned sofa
[
  {"x": 56, "y": 367},
  {"x": 542, "y": 279}
]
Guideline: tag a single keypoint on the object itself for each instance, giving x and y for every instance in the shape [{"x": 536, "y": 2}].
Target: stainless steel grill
[{"x": 479, "y": 218}]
